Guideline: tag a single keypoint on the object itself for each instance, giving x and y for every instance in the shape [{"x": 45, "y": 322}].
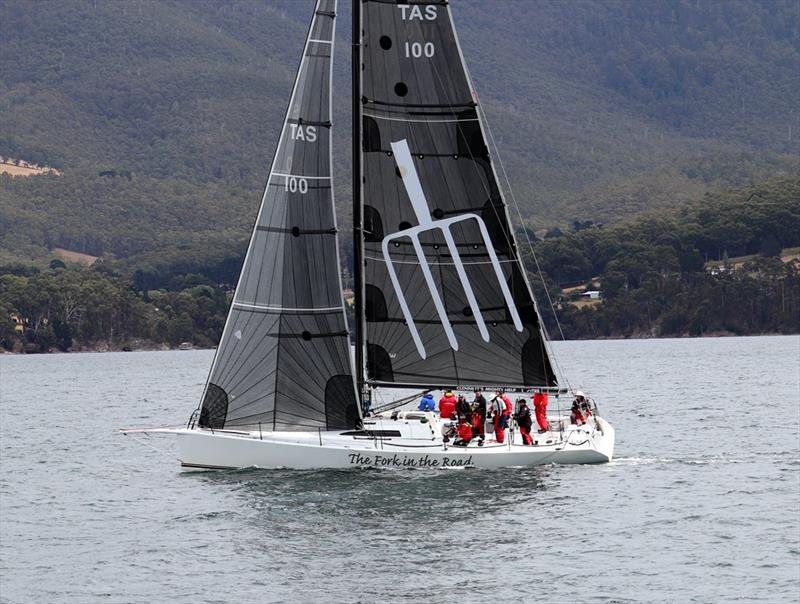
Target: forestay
[
  {"x": 447, "y": 302},
  {"x": 283, "y": 362}
]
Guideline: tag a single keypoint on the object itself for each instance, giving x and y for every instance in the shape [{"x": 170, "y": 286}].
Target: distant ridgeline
[
  {"x": 727, "y": 263},
  {"x": 162, "y": 116}
]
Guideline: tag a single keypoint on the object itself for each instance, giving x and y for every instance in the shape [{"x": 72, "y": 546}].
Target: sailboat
[{"x": 442, "y": 300}]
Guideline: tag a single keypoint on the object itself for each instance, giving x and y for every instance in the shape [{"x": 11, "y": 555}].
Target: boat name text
[{"x": 404, "y": 461}]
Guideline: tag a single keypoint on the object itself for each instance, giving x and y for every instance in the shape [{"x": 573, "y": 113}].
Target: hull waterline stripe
[{"x": 206, "y": 467}]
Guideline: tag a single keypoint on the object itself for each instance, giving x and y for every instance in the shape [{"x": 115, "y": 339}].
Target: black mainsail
[
  {"x": 283, "y": 362},
  {"x": 446, "y": 300}
]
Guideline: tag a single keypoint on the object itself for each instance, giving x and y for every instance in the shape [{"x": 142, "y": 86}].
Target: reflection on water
[{"x": 367, "y": 492}]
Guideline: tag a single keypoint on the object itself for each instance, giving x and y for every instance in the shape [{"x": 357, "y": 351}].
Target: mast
[{"x": 358, "y": 220}]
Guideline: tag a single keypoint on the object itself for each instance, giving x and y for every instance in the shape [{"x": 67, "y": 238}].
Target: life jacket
[
  {"x": 447, "y": 407},
  {"x": 498, "y": 406},
  {"x": 477, "y": 421}
]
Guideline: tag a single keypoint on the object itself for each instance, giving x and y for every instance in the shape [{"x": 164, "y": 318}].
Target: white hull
[{"x": 204, "y": 449}]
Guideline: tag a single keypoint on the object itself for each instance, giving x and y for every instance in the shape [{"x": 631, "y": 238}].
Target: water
[{"x": 702, "y": 503}]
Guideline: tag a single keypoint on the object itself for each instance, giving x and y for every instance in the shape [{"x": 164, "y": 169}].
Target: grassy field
[
  {"x": 76, "y": 257},
  {"x": 24, "y": 169}
]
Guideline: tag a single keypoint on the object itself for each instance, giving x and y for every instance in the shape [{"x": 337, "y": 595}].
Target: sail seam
[
  {"x": 400, "y": 119},
  {"x": 470, "y": 104},
  {"x": 310, "y": 336},
  {"x": 300, "y": 120},
  {"x": 301, "y": 176},
  {"x": 412, "y": 2},
  {"x": 246, "y": 306},
  {"x": 298, "y": 231},
  {"x": 436, "y": 262}
]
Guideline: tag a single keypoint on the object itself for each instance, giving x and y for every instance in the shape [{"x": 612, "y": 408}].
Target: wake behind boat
[{"x": 442, "y": 299}]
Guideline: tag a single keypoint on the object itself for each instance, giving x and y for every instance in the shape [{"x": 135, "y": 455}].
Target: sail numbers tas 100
[
  {"x": 296, "y": 185},
  {"x": 416, "y": 50}
]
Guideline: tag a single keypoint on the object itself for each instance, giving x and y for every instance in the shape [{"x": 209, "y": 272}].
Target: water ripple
[{"x": 700, "y": 505}]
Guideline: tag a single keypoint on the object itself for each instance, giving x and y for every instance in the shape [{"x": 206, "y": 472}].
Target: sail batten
[
  {"x": 446, "y": 297},
  {"x": 283, "y": 362}
]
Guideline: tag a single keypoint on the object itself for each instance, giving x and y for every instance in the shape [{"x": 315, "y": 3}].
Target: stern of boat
[{"x": 604, "y": 439}]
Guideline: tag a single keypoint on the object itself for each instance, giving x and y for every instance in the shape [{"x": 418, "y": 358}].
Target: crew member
[
  {"x": 580, "y": 409},
  {"x": 479, "y": 417},
  {"x": 499, "y": 418},
  {"x": 447, "y": 405},
  {"x": 464, "y": 433},
  {"x": 524, "y": 421},
  {"x": 540, "y": 408},
  {"x": 427, "y": 402},
  {"x": 463, "y": 409},
  {"x": 509, "y": 406}
]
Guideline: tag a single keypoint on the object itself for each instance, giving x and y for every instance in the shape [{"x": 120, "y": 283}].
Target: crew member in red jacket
[
  {"x": 509, "y": 406},
  {"x": 464, "y": 433},
  {"x": 540, "y": 407},
  {"x": 447, "y": 405}
]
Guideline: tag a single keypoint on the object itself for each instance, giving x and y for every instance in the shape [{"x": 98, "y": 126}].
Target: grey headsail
[
  {"x": 283, "y": 362},
  {"x": 446, "y": 299}
]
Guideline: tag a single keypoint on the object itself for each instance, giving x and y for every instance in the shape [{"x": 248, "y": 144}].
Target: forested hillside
[
  {"x": 162, "y": 116},
  {"x": 654, "y": 274},
  {"x": 652, "y": 271}
]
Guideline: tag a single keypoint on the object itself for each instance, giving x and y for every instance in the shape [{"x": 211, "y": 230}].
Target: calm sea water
[{"x": 702, "y": 503}]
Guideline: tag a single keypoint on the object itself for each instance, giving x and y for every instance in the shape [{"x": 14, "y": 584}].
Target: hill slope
[{"x": 600, "y": 109}]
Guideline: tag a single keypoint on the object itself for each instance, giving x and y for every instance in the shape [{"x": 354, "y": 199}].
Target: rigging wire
[
  {"x": 527, "y": 239},
  {"x": 145, "y": 440},
  {"x": 505, "y": 218},
  {"x": 484, "y": 122}
]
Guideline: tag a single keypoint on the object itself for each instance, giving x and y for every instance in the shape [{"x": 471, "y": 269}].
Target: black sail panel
[
  {"x": 446, "y": 299},
  {"x": 283, "y": 362}
]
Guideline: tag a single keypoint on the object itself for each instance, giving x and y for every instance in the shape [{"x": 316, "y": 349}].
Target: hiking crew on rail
[{"x": 471, "y": 418}]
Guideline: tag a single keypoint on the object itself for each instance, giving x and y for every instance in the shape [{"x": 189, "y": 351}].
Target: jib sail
[{"x": 283, "y": 362}]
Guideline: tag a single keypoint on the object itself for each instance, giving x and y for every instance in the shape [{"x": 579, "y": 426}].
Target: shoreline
[{"x": 152, "y": 347}]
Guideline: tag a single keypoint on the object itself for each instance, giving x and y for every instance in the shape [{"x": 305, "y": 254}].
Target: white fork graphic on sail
[{"x": 408, "y": 172}]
